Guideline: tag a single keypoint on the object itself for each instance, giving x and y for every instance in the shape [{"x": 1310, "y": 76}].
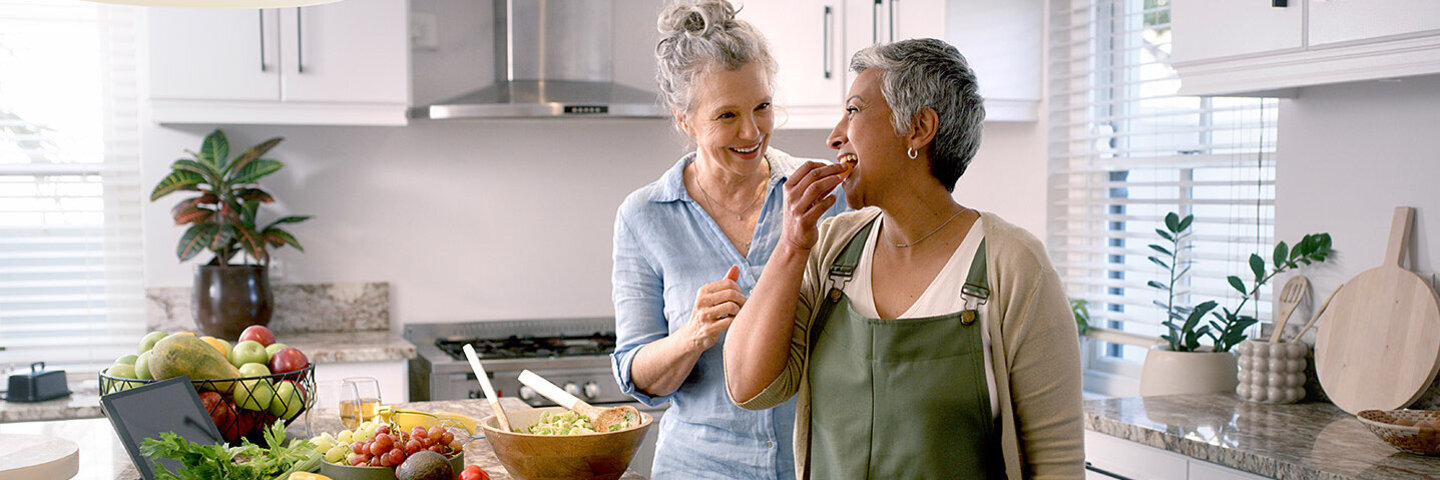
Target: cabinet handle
[
  {"x": 261, "y": 13},
  {"x": 1279, "y": 3},
  {"x": 892, "y": 20},
  {"x": 299, "y": 45},
  {"x": 1105, "y": 473},
  {"x": 827, "y": 19},
  {"x": 875, "y": 23}
]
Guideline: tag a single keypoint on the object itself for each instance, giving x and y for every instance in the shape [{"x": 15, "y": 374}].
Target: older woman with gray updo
[
  {"x": 924, "y": 338},
  {"x": 690, "y": 246}
]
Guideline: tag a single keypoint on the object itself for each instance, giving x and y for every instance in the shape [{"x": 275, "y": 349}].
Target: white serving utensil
[{"x": 485, "y": 385}]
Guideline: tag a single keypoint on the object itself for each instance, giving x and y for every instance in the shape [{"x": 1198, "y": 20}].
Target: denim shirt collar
[{"x": 672, "y": 183}]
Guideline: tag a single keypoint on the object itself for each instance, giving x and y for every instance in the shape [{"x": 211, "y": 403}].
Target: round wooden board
[
  {"x": 1379, "y": 341},
  {"x": 36, "y": 457}
]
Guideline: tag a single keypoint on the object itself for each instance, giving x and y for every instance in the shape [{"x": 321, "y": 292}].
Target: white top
[{"x": 940, "y": 298}]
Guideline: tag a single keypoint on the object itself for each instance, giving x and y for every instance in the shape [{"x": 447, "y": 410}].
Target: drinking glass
[
  {"x": 360, "y": 399},
  {"x": 322, "y": 415}
]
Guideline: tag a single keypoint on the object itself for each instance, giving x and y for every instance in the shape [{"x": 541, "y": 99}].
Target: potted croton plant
[
  {"x": 232, "y": 290},
  {"x": 1196, "y": 356}
]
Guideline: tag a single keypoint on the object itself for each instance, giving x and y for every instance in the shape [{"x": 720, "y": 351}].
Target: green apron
[{"x": 900, "y": 398}]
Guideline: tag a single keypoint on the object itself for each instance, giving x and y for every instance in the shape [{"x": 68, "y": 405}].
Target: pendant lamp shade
[{"x": 218, "y": 3}]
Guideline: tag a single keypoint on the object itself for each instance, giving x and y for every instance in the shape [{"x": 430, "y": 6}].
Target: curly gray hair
[
  {"x": 928, "y": 73},
  {"x": 700, "y": 34}
]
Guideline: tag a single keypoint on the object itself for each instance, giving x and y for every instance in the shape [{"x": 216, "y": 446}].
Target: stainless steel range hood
[{"x": 553, "y": 58}]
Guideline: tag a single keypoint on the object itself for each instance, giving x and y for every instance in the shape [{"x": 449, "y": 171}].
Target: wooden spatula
[
  {"x": 603, "y": 418},
  {"x": 1291, "y": 294}
]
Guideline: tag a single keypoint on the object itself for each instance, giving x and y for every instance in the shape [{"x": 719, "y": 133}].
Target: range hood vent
[{"x": 552, "y": 59}]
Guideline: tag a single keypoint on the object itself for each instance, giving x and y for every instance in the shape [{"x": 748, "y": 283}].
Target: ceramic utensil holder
[{"x": 1271, "y": 372}]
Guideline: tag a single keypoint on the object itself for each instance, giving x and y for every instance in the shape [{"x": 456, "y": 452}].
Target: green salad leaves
[{"x": 245, "y": 462}]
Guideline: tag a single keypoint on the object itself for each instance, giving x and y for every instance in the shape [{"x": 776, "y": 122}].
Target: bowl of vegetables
[{"x": 556, "y": 443}]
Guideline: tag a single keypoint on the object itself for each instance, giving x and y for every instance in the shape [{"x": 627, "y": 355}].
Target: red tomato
[{"x": 473, "y": 472}]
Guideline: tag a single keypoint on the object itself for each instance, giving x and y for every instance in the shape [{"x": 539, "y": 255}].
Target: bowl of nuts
[{"x": 1414, "y": 431}]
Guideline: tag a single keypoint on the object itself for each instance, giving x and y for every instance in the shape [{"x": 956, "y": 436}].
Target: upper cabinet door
[
  {"x": 350, "y": 51},
  {"x": 1347, "y": 21},
  {"x": 191, "y": 59},
  {"x": 804, "y": 38},
  {"x": 1212, "y": 29}
]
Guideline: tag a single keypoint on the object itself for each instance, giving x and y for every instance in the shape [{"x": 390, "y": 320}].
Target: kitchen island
[
  {"x": 1301, "y": 441},
  {"x": 102, "y": 457}
]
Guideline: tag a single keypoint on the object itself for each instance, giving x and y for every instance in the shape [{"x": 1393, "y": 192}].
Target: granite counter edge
[{"x": 1229, "y": 457}]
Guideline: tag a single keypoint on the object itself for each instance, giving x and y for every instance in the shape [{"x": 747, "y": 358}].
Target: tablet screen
[{"x": 165, "y": 406}]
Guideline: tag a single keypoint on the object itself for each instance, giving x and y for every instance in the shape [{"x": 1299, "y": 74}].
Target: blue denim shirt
[{"x": 666, "y": 247}]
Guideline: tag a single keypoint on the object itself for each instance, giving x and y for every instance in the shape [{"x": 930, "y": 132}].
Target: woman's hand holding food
[
  {"x": 807, "y": 197},
  {"x": 715, "y": 307}
]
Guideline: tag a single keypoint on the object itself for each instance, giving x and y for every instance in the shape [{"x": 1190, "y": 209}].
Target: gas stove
[{"x": 573, "y": 353}]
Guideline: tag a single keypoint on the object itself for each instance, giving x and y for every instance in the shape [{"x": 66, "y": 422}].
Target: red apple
[
  {"x": 287, "y": 360},
  {"x": 259, "y": 334}
]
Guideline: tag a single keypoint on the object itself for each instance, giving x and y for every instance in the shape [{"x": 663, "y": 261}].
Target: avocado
[{"x": 425, "y": 465}]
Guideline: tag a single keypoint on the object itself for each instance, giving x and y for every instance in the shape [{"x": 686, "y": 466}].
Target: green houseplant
[
  {"x": 1183, "y": 364},
  {"x": 222, "y": 218}
]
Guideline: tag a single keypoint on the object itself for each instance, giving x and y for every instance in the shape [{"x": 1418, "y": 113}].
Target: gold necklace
[
  {"x": 932, "y": 232},
  {"x": 738, "y": 215}
]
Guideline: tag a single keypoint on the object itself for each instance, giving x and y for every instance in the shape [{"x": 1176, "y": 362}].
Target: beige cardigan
[{"x": 1035, "y": 349}]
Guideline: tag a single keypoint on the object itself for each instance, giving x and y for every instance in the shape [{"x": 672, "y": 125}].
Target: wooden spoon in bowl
[{"x": 603, "y": 418}]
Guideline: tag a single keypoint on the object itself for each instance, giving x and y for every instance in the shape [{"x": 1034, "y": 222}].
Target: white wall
[{"x": 1347, "y": 156}]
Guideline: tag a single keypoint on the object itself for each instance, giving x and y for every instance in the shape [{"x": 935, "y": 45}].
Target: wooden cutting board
[
  {"x": 36, "y": 457},
  {"x": 1379, "y": 341}
]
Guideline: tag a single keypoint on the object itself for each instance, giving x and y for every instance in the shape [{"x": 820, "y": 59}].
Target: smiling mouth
[
  {"x": 746, "y": 151},
  {"x": 850, "y": 161}
]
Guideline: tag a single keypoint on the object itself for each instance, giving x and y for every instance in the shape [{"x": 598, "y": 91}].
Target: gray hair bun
[{"x": 694, "y": 18}]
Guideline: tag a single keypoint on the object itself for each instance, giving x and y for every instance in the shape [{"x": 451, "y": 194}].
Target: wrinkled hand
[
  {"x": 807, "y": 196},
  {"x": 715, "y": 307}
]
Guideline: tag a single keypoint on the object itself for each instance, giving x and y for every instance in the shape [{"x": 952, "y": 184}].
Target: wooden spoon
[
  {"x": 603, "y": 418},
  {"x": 1291, "y": 294},
  {"x": 485, "y": 385}
]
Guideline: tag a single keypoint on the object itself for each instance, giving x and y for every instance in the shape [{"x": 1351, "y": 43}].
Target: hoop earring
[{"x": 910, "y": 152}]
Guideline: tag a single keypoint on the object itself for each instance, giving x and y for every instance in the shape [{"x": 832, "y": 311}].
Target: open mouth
[
  {"x": 746, "y": 151},
  {"x": 849, "y": 160}
]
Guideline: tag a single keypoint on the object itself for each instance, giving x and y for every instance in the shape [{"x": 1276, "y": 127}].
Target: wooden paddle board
[{"x": 1379, "y": 341}]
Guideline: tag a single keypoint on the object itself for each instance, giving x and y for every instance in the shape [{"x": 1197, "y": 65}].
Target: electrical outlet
[{"x": 423, "y": 31}]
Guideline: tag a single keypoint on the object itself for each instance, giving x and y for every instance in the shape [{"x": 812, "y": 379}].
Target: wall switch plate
[{"x": 423, "y": 31}]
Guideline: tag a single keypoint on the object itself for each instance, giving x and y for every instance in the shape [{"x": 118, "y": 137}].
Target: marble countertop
[
  {"x": 1302, "y": 441},
  {"x": 103, "y": 457},
  {"x": 321, "y": 347}
]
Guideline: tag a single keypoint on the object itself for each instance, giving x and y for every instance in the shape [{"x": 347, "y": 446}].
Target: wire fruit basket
[{"x": 243, "y": 407}]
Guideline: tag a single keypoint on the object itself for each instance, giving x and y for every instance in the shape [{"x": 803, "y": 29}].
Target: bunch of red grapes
[{"x": 388, "y": 449}]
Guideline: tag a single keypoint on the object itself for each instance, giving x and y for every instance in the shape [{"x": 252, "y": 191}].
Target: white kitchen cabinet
[
  {"x": 1126, "y": 459},
  {"x": 1241, "y": 47},
  {"x": 805, "y": 41},
  {"x": 393, "y": 376},
  {"x": 808, "y": 42},
  {"x": 344, "y": 63}
]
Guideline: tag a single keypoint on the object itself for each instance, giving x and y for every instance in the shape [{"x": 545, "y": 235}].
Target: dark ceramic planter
[{"x": 226, "y": 299}]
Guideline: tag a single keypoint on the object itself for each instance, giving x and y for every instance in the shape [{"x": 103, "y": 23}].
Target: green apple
[
  {"x": 142, "y": 367},
  {"x": 248, "y": 351},
  {"x": 121, "y": 371},
  {"x": 274, "y": 347},
  {"x": 126, "y": 360},
  {"x": 149, "y": 340},
  {"x": 254, "y": 394},
  {"x": 254, "y": 370},
  {"x": 287, "y": 402}
]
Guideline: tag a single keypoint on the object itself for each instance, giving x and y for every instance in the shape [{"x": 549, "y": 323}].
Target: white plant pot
[{"x": 1173, "y": 373}]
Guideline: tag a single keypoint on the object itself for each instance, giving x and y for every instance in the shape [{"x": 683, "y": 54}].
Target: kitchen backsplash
[{"x": 317, "y": 307}]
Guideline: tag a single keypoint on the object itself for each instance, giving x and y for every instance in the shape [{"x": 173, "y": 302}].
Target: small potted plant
[
  {"x": 228, "y": 294},
  {"x": 1183, "y": 364}
]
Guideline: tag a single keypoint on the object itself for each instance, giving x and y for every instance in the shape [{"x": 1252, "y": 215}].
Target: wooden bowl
[
  {"x": 596, "y": 456},
  {"x": 1414, "y": 431}
]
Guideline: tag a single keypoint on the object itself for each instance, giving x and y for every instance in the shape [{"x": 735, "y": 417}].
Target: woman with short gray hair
[
  {"x": 690, "y": 246},
  {"x": 933, "y": 339}
]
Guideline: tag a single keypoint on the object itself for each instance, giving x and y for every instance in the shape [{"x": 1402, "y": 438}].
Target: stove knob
[
  {"x": 591, "y": 390},
  {"x": 527, "y": 393},
  {"x": 474, "y": 394},
  {"x": 572, "y": 388}
]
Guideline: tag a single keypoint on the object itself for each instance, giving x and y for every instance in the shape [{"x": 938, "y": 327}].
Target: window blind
[
  {"x": 71, "y": 280},
  {"x": 1123, "y": 151}
]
